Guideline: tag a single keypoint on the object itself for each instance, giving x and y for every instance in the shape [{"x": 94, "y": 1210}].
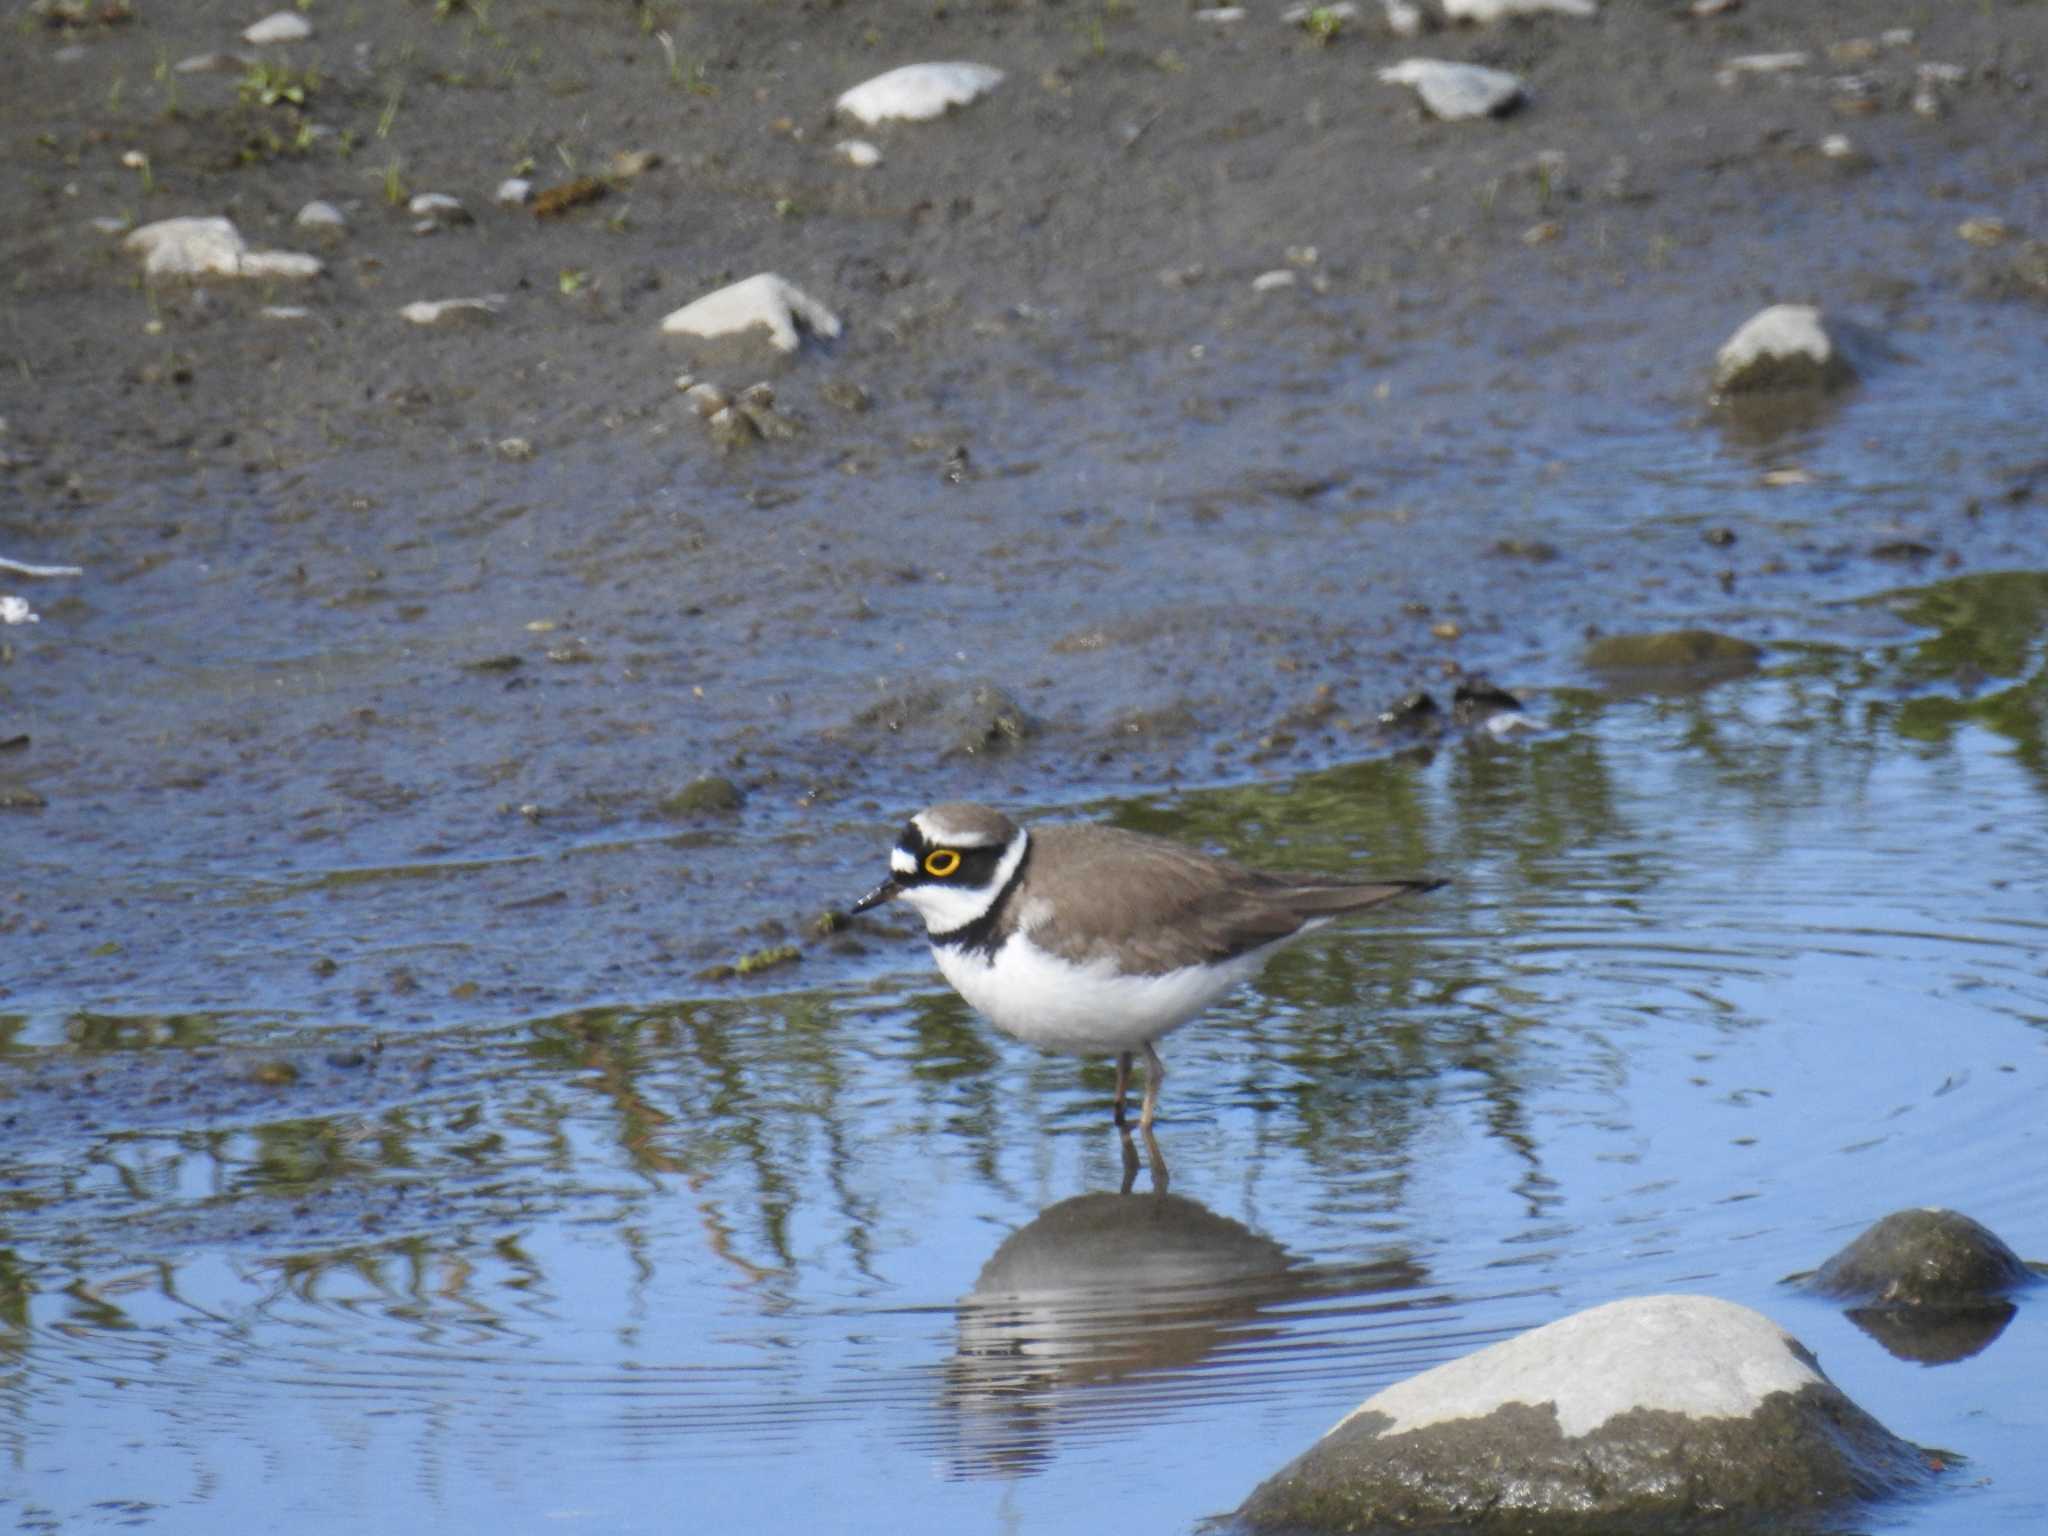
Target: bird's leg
[
  {"x": 1154, "y": 1157},
  {"x": 1131, "y": 1158},
  {"x": 1155, "y": 1073},
  {"x": 1123, "y": 1082}
]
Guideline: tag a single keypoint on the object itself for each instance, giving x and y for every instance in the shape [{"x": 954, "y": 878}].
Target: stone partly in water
[
  {"x": 1783, "y": 348},
  {"x": 209, "y": 246},
  {"x": 1924, "y": 1257},
  {"x": 918, "y": 92},
  {"x": 709, "y": 795},
  {"x": 1457, "y": 92},
  {"x": 1641, "y": 1414}
]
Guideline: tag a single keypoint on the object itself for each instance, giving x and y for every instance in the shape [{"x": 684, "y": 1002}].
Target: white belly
[{"x": 1088, "y": 1010}]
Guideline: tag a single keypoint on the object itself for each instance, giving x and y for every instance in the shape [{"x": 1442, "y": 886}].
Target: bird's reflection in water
[{"x": 1101, "y": 1306}]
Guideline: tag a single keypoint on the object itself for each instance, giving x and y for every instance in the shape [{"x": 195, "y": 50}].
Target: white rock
[
  {"x": 111, "y": 224},
  {"x": 763, "y": 299},
  {"x": 1784, "y": 345},
  {"x": 1496, "y": 10},
  {"x": 1266, "y": 282},
  {"x": 1838, "y": 146},
  {"x": 320, "y": 215},
  {"x": 485, "y": 307},
  {"x": 1767, "y": 63},
  {"x": 1220, "y": 15},
  {"x": 208, "y": 246},
  {"x": 213, "y": 64},
  {"x": 918, "y": 91},
  {"x": 1341, "y": 11},
  {"x": 279, "y": 27},
  {"x": 285, "y": 312},
  {"x": 1694, "y": 1356},
  {"x": 513, "y": 192},
  {"x": 15, "y": 610},
  {"x": 1403, "y": 19},
  {"x": 439, "y": 207},
  {"x": 1456, "y": 92},
  {"x": 858, "y": 152}
]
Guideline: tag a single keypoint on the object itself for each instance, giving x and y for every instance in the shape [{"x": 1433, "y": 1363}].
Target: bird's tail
[{"x": 1330, "y": 900}]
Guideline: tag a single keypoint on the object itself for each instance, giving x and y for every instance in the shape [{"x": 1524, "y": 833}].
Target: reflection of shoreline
[{"x": 1101, "y": 1289}]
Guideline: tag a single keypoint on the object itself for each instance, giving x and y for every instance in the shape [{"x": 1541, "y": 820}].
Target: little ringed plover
[{"x": 1090, "y": 939}]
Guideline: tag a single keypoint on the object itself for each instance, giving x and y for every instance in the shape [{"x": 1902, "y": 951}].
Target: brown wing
[{"x": 1160, "y": 906}]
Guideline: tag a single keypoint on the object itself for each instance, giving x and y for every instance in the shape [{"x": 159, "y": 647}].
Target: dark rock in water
[
  {"x": 1645, "y": 1414},
  {"x": 1411, "y": 711},
  {"x": 987, "y": 719},
  {"x": 1476, "y": 699},
  {"x": 706, "y": 796},
  {"x": 1670, "y": 661},
  {"x": 1923, "y": 1258}
]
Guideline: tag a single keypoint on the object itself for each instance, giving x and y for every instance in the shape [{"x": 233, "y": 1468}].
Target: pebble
[
  {"x": 513, "y": 192},
  {"x": 1498, "y": 10},
  {"x": 1220, "y": 15},
  {"x": 1404, "y": 19},
  {"x": 285, "y": 312},
  {"x": 1266, "y": 282},
  {"x": 764, "y": 299},
  {"x": 320, "y": 215},
  {"x": 483, "y": 308},
  {"x": 1341, "y": 12},
  {"x": 213, "y": 64},
  {"x": 1456, "y": 92},
  {"x": 515, "y": 449},
  {"x": 209, "y": 246},
  {"x": 918, "y": 92},
  {"x": 1734, "y": 69},
  {"x": 858, "y": 152},
  {"x": 438, "y": 208},
  {"x": 15, "y": 610},
  {"x": 279, "y": 27},
  {"x": 1984, "y": 231}
]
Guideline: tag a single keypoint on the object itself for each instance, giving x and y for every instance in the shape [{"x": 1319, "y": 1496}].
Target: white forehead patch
[
  {"x": 903, "y": 861},
  {"x": 939, "y": 832}
]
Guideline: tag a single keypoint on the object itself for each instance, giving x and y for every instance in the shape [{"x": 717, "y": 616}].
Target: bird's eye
[{"x": 941, "y": 862}]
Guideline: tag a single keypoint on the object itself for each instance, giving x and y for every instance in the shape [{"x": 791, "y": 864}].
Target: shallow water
[{"x": 1720, "y": 979}]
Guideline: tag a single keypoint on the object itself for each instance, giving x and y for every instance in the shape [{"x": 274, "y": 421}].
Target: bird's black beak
[{"x": 876, "y": 897}]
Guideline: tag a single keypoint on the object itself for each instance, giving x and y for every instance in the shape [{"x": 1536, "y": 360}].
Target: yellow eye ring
[{"x": 941, "y": 862}]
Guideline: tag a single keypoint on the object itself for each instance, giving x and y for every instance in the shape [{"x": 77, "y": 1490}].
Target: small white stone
[
  {"x": 1497, "y": 10},
  {"x": 1767, "y": 63},
  {"x": 279, "y": 27},
  {"x": 1279, "y": 277},
  {"x": 15, "y": 610},
  {"x": 285, "y": 312},
  {"x": 1943, "y": 74},
  {"x": 213, "y": 64},
  {"x": 292, "y": 264},
  {"x": 513, "y": 192},
  {"x": 485, "y": 307},
  {"x": 1341, "y": 11},
  {"x": 1456, "y": 92},
  {"x": 112, "y": 224},
  {"x": 917, "y": 92},
  {"x": 858, "y": 152},
  {"x": 1898, "y": 37},
  {"x": 517, "y": 450},
  {"x": 1403, "y": 19},
  {"x": 135, "y": 160},
  {"x": 439, "y": 207},
  {"x": 764, "y": 299},
  {"x": 1836, "y": 146},
  {"x": 320, "y": 215},
  {"x": 1219, "y": 15}
]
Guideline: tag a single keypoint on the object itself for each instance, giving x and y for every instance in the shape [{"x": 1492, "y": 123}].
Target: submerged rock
[
  {"x": 1635, "y": 1415},
  {"x": 918, "y": 92},
  {"x": 1672, "y": 660},
  {"x": 1457, "y": 92},
  {"x": 1785, "y": 347},
  {"x": 764, "y": 299}
]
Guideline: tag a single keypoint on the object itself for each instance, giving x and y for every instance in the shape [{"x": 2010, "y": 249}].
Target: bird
[{"x": 1091, "y": 939}]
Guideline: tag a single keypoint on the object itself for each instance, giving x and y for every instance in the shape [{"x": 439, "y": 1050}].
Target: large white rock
[
  {"x": 761, "y": 300},
  {"x": 279, "y": 27},
  {"x": 1456, "y": 92},
  {"x": 1645, "y": 1414},
  {"x": 1498, "y": 10},
  {"x": 209, "y": 246},
  {"x": 918, "y": 91},
  {"x": 1784, "y": 347}
]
